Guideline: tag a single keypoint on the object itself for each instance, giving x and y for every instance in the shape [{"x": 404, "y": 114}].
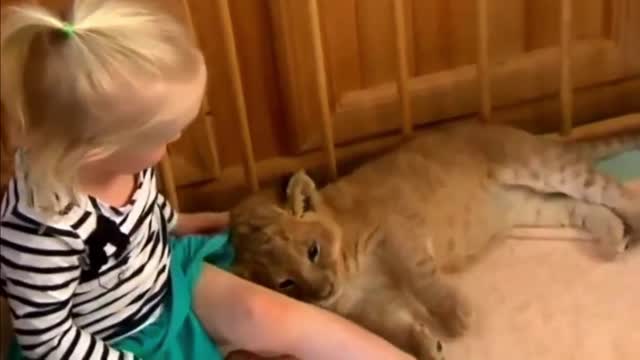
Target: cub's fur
[{"x": 370, "y": 246}]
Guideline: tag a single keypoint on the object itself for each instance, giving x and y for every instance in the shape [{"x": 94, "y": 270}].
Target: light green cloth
[
  {"x": 177, "y": 334},
  {"x": 625, "y": 166}
]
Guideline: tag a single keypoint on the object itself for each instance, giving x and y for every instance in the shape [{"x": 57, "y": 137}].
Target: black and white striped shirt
[{"x": 71, "y": 287}]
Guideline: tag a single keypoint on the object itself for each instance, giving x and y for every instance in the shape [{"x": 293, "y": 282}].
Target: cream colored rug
[{"x": 548, "y": 299}]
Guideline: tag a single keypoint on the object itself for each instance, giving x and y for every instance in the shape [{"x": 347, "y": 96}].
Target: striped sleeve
[
  {"x": 169, "y": 214},
  {"x": 40, "y": 269}
]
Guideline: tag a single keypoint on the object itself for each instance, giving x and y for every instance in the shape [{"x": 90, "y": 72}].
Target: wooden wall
[{"x": 273, "y": 42}]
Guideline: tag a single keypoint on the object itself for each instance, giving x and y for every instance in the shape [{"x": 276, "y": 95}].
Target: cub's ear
[
  {"x": 302, "y": 194},
  {"x": 250, "y": 217}
]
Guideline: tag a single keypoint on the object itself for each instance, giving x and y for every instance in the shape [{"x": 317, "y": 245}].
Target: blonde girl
[{"x": 86, "y": 258}]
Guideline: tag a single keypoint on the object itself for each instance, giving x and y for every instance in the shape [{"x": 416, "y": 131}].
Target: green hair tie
[{"x": 69, "y": 30}]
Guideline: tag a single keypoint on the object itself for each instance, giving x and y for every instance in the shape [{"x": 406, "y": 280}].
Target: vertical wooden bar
[
  {"x": 238, "y": 93},
  {"x": 166, "y": 168},
  {"x": 168, "y": 182},
  {"x": 566, "y": 83},
  {"x": 484, "y": 78},
  {"x": 402, "y": 66},
  {"x": 210, "y": 134},
  {"x": 320, "y": 74}
]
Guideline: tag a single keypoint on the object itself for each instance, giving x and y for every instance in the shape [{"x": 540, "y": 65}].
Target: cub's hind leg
[
  {"x": 545, "y": 210},
  {"x": 557, "y": 170}
]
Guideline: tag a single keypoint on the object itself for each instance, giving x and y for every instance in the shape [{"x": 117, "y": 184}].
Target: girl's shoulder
[{"x": 18, "y": 214}]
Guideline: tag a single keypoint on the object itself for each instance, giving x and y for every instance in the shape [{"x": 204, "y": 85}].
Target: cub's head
[{"x": 288, "y": 243}]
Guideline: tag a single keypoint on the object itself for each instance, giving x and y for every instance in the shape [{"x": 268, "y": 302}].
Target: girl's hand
[{"x": 201, "y": 223}]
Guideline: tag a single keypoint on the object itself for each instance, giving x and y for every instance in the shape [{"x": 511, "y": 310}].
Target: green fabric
[
  {"x": 625, "y": 166},
  {"x": 177, "y": 334}
]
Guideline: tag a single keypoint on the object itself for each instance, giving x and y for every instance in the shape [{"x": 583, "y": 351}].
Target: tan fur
[{"x": 385, "y": 231}]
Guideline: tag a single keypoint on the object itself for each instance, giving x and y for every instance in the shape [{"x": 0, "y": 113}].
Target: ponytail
[
  {"x": 59, "y": 78},
  {"x": 20, "y": 26}
]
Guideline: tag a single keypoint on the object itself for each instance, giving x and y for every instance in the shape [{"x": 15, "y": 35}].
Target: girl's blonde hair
[{"x": 62, "y": 76}]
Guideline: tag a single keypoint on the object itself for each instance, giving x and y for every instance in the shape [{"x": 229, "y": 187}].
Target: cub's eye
[
  {"x": 313, "y": 252},
  {"x": 286, "y": 284}
]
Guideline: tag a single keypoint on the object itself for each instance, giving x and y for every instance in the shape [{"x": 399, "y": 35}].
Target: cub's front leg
[
  {"x": 391, "y": 315},
  {"x": 417, "y": 271}
]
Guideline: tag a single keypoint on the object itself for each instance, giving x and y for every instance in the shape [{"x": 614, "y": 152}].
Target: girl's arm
[
  {"x": 201, "y": 223},
  {"x": 247, "y": 316},
  {"x": 192, "y": 223},
  {"x": 42, "y": 272}
]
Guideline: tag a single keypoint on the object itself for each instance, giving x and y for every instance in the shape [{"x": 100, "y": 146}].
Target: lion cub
[{"x": 370, "y": 246}]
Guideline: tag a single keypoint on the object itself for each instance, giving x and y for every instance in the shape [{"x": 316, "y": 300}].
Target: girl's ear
[
  {"x": 302, "y": 194},
  {"x": 96, "y": 154}
]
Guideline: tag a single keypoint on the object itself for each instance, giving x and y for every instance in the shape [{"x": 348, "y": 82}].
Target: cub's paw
[
  {"x": 427, "y": 347},
  {"x": 631, "y": 219},
  {"x": 609, "y": 230},
  {"x": 454, "y": 315},
  {"x": 616, "y": 240}
]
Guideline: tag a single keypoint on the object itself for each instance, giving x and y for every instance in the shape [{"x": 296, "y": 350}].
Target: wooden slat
[
  {"x": 205, "y": 110},
  {"x": 168, "y": 182},
  {"x": 483, "y": 60},
  {"x": 566, "y": 85},
  {"x": 402, "y": 66},
  {"x": 603, "y": 128},
  {"x": 321, "y": 83},
  {"x": 238, "y": 93}
]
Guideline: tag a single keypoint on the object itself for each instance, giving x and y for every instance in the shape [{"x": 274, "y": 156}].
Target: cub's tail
[{"x": 599, "y": 149}]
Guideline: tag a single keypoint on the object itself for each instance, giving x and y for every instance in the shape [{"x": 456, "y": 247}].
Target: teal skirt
[{"x": 178, "y": 334}]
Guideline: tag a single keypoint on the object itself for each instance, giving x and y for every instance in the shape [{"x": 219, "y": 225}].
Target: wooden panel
[
  {"x": 523, "y": 58},
  {"x": 237, "y": 92},
  {"x": 506, "y": 33},
  {"x": 293, "y": 44},
  {"x": 540, "y": 115},
  {"x": 454, "y": 93},
  {"x": 376, "y": 38},
  {"x": 542, "y": 18},
  {"x": 195, "y": 157},
  {"x": 276, "y": 62},
  {"x": 462, "y": 31},
  {"x": 444, "y": 32},
  {"x": 257, "y": 64},
  {"x": 431, "y": 24},
  {"x": 339, "y": 26},
  {"x": 589, "y": 18},
  {"x": 625, "y": 31}
]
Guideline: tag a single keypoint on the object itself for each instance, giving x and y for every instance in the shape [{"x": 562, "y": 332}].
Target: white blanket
[{"x": 548, "y": 299}]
